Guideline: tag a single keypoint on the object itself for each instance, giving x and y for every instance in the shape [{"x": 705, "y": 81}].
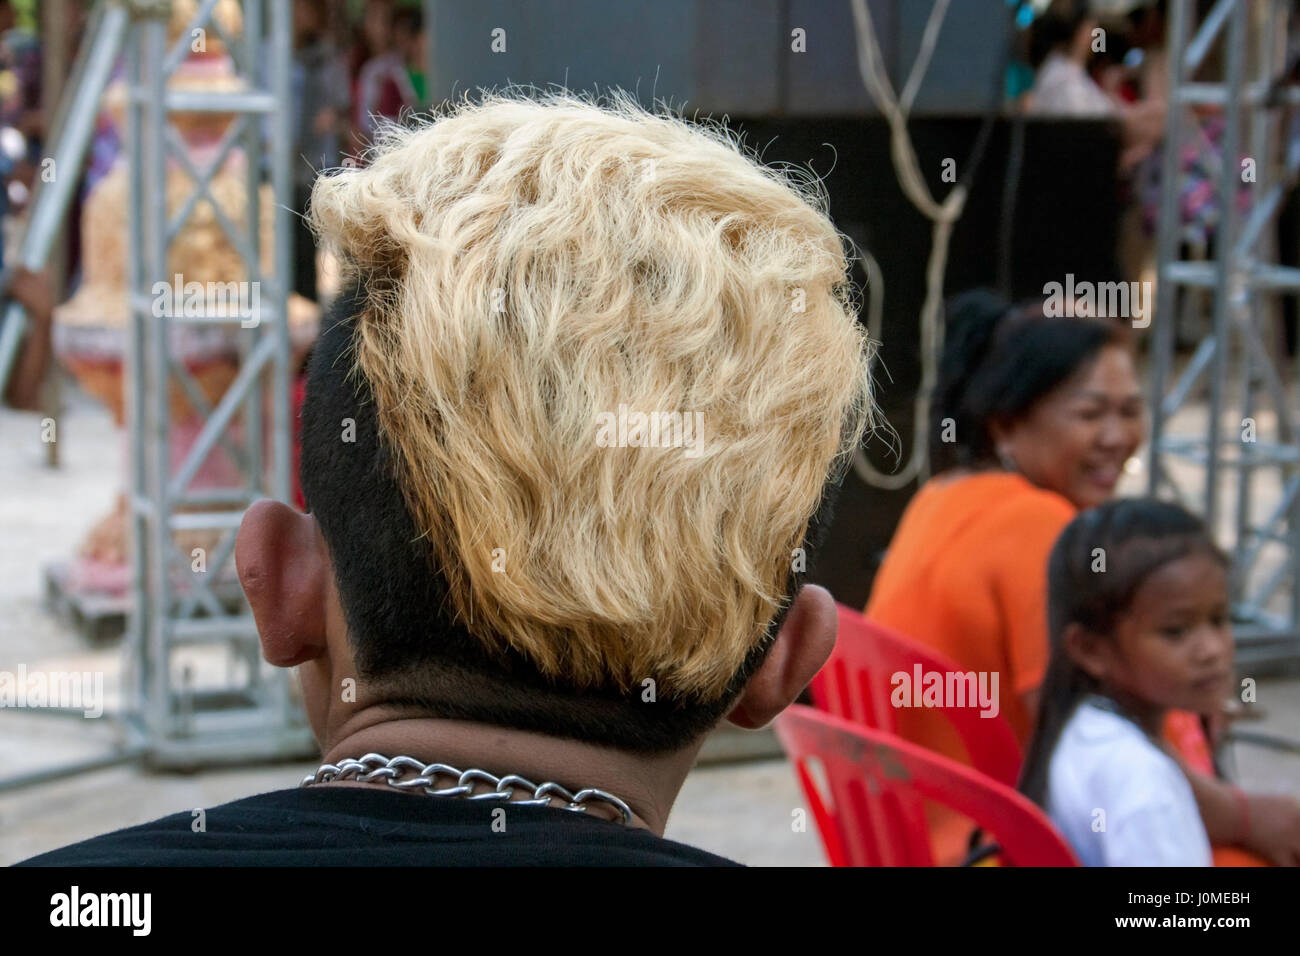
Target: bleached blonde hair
[{"x": 530, "y": 262}]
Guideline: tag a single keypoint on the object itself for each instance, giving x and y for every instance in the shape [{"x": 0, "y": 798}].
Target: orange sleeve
[
  {"x": 1182, "y": 730},
  {"x": 1025, "y": 538},
  {"x": 1235, "y": 856}
]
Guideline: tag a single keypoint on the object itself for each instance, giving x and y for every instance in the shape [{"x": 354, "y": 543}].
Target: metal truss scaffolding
[
  {"x": 241, "y": 709},
  {"x": 1247, "y": 456},
  {"x": 250, "y": 715}
]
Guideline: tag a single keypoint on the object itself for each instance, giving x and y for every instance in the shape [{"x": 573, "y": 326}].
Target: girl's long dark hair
[{"x": 1136, "y": 537}]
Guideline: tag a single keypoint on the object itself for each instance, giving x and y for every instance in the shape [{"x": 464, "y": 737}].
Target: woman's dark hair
[
  {"x": 1134, "y": 537},
  {"x": 997, "y": 362},
  {"x": 1055, "y": 28}
]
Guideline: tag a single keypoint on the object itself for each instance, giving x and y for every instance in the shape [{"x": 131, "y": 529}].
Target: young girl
[{"x": 1138, "y": 612}]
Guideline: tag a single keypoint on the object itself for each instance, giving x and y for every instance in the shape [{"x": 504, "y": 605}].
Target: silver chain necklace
[{"x": 396, "y": 772}]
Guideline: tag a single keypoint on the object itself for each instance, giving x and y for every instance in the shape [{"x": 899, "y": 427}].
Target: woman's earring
[{"x": 1006, "y": 461}]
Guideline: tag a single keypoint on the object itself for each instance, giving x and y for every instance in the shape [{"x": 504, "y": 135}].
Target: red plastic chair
[
  {"x": 874, "y": 813},
  {"x": 856, "y": 684}
]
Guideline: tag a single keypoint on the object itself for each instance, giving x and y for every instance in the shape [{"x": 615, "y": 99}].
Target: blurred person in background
[
  {"x": 385, "y": 88},
  {"x": 1060, "y": 49},
  {"x": 364, "y": 40},
  {"x": 35, "y": 293},
  {"x": 21, "y": 120},
  {"x": 320, "y": 92},
  {"x": 20, "y": 77},
  {"x": 412, "y": 39},
  {"x": 1034, "y": 419}
]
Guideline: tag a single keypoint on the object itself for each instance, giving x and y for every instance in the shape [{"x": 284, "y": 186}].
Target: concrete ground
[{"x": 740, "y": 810}]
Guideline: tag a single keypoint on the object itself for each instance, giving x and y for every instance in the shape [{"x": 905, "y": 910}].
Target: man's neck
[{"x": 648, "y": 785}]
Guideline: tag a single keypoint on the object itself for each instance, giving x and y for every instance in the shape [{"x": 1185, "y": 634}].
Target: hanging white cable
[
  {"x": 876, "y": 294},
  {"x": 944, "y": 216},
  {"x": 938, "y": 13}
]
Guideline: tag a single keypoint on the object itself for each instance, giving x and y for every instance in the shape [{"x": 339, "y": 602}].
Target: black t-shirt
[{"x": 355, "y": 826}]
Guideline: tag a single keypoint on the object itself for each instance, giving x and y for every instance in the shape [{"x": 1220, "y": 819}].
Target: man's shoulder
[{"x": 347, "y": 826}]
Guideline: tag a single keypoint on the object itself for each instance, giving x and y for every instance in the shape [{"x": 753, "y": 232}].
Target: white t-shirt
[
  {"x": 1118, "y": 799},
  {"x": 1064, "y": 88}
]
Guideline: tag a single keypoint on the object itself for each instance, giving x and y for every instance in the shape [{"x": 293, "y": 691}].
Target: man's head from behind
[{"x": 575, "y": 425}]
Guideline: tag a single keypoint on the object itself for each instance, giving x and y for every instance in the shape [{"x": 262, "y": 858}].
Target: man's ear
[
  {"x": 283, "y": 566},
  {"x": 804, "y": 642}
]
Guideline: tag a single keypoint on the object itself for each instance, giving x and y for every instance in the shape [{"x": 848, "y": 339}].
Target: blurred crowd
[{"x": 354, "y": 65}]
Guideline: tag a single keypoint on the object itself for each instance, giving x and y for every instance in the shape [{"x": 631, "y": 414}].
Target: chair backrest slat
[
  {"x": 857, "y": 684},
  {"x": 874, "y": 811}
]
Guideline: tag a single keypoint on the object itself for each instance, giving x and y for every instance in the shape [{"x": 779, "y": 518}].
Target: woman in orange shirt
[{"x": 1033, "y": 420}]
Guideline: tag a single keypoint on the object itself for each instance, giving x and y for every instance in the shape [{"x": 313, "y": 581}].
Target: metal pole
[
  {"x": 155, "y": 430},
  {"x": 282, "y": 182},
  {"x": 139, "y": 624},
  {"x": 1168, "y": 239},
  {"x": 1228, "y": 289}
]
